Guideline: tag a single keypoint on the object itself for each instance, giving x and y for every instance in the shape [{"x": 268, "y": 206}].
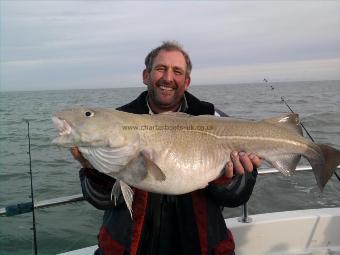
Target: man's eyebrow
[
  {"x": 175, "y": 67},
  {"x": 179, "y": 68},
  {"x": 160, "y": 65}
]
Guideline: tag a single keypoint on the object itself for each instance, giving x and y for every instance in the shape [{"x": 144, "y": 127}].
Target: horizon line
[{"x": 265, "y": 81}]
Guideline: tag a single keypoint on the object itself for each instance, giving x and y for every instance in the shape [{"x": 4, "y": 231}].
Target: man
[{"x": 164, "y": 224}]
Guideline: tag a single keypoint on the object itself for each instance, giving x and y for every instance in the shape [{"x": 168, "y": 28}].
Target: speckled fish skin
[{"x": 175, "y": 153}]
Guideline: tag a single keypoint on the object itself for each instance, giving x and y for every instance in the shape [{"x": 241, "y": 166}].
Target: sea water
[{"x": 55, "y": 172}]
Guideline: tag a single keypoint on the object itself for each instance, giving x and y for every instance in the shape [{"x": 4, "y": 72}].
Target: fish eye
[{"x": 89, "y": 114}]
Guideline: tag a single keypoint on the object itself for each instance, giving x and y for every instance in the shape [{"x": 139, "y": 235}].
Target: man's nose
[{"x": 168, "y": 75}]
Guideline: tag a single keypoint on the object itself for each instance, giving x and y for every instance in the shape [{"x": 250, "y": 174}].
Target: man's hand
[
  {"x": 241, "y": 163},
  {"x": 79, "y": 157}
]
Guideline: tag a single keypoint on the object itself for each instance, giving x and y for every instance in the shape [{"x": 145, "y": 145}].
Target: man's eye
[
  {"x": 178, "y": 72},
  {"x": 160, "y": 69}
]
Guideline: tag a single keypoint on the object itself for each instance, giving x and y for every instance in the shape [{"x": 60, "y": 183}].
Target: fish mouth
[{"x": 62, "y": 125}]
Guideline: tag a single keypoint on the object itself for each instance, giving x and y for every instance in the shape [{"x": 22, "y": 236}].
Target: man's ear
[
  {"x": 145, "y": 77},
  {"x": 187, "y": 82}
]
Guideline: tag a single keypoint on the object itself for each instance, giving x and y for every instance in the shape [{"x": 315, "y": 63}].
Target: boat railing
[
  {"x": 245, "y": 215},
  {"x": 26, "y": 207}
]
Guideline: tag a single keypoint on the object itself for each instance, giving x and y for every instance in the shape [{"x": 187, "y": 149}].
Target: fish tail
[{"x": 324, "y": 170}]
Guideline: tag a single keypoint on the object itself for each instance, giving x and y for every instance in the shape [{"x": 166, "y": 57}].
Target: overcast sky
[{"x": 96, "y": 44}]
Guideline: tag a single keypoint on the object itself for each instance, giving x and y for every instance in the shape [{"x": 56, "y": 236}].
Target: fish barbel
[{"x": 176, "y": 153}]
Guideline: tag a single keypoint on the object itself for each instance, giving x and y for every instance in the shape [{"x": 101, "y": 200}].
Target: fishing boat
[
  {"x": 302, "y": 232},
  {"x": 312, "y": 231}
]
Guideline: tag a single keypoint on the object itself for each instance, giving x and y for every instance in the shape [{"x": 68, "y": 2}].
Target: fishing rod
[
  {"x": 22, "y": 208},
  {"x": 303, "y": 126},
  {"x": 34, "y": 228},
  {"x": 27, "y": 207}
]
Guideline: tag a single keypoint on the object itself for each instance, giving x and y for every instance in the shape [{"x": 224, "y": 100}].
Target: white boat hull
[{"x": 315, "y": 231}]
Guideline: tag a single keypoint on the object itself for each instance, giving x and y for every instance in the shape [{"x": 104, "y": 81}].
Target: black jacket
[{"x": 165, "y": 224}]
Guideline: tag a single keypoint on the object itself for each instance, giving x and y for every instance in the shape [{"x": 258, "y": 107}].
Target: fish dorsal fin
[{"x": 289, "y": 121}]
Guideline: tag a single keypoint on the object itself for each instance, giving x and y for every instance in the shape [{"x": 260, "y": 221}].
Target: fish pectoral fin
[
  {"x": 288, "y": 121},
  {"x": 152, "y": 168},
  {"x": 107, "y": 160},
  {"x": 285, "y": 163},
  {"x": 127, "y": 195}
]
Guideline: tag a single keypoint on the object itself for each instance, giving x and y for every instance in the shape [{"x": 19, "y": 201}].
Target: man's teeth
[{"x": 166, "y": 88}]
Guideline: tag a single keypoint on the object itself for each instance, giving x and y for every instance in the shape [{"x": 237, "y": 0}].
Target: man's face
[{"x": 167, "y": 81}]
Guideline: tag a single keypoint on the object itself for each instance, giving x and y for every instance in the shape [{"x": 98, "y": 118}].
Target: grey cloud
[{"x": 75, "y": 41}]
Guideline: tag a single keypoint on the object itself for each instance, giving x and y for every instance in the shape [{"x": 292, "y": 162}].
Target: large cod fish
[{"x": 176, "y": 153}]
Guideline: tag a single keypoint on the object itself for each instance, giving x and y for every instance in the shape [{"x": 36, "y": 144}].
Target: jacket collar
[{"x": 182, "y": 108}]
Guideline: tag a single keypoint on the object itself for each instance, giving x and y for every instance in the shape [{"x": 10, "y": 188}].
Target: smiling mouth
[
  {"x": 63, "y": 127},
  {"x": 166, "y": 88}
]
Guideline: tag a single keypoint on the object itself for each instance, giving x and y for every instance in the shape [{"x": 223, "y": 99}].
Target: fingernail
[
  {"x": 234, "y": 154},
  {"x": 251, "y": 156},
  {"x": 241, "y": 154}
]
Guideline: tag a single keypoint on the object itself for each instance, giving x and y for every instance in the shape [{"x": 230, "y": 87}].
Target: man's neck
[{"x": 153, "y": 109}]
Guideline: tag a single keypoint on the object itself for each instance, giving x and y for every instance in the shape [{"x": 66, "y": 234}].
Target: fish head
[{"x": 89, "y": 127}]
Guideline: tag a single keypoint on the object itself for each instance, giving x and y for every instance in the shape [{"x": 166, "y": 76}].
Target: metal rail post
[{"x": 245, "y": 218}]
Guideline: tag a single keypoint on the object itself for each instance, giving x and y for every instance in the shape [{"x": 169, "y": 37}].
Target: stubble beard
[{"x": 155, "y": 94}]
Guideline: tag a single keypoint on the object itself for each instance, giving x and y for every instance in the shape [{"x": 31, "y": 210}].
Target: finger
[
  {"x": 73, "y": 150},
  {"x": 76, "y": 153},
  {"x": 238, "y": 168},
  {"x": 229, "y": 170},
  {"x": 255, "y": 160},
  {"x": 80, "y": 158},
  {"x": 246, "y": 162}
]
